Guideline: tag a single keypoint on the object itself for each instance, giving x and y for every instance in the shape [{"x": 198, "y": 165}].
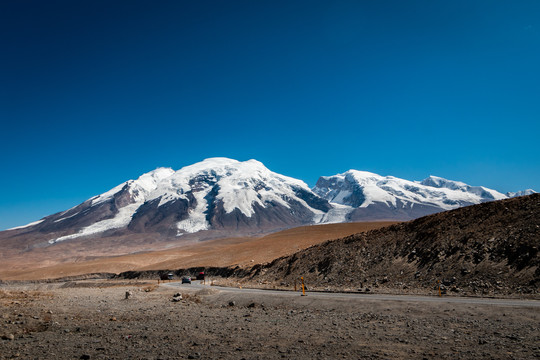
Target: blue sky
[{"x": 93, "y": 93}]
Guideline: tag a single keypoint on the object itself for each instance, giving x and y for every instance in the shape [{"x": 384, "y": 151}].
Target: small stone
[
  {"x": 113, "y": 318},
  {"x": 8, "y": 337},
  {"x": 232, "y": 303}
]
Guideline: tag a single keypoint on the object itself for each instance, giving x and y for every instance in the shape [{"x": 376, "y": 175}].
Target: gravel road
[
  {"x": 94, "y": 320},
  {"x": 363, "y": 297}
]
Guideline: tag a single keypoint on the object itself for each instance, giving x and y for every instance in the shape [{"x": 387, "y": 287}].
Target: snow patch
[
  {"x": 338, "y": 214},
  {"x": 122, "y": 219},
  {"x": 27, "y": 225},
  {"x": 197, "y": 216},
  {"x": 67, "y": 217}
]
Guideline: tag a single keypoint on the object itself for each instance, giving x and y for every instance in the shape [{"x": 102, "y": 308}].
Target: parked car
[
  {"x": 186, "y": 280},
  {"x": 168, "y": 276}
]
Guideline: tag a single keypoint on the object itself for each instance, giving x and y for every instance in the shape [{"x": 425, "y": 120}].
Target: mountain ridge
[{"x": 221, "y": 196}]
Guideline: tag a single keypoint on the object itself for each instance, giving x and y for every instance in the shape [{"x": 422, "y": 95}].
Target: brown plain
[{"x": 245, "y": 251}]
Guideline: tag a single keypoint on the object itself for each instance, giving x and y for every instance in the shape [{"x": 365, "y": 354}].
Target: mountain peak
[
  {"x": 520, "y": 193},
  {"x": 214, "y": 194},
  {"x": 222, "y": 166},
  {"x": 439, "y": 182},
  {"x": 215, "y": 162},
  {"x": 390, "y": 197},
  {"x": 150, "y": 180},
  {"x": 363, "y": 175}
]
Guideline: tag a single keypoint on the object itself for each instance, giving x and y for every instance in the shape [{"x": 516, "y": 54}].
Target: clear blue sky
[{"x": 93, "y": 93}]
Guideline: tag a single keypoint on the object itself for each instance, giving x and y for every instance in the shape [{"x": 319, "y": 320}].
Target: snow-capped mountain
[
  {"x": 215, "y": 194},
  {"x": 511, "y": 194},
  {"x": 374, "y": 197},
  {"x": 220, "y": 197}
]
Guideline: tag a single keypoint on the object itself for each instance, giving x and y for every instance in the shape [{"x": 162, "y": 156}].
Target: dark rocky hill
[{"x": 491, "y": 248}]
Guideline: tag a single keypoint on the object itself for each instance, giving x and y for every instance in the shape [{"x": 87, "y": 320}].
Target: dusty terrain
[
  {"x": 62, "y": 260},
  {"x": 93, "y": 320}
]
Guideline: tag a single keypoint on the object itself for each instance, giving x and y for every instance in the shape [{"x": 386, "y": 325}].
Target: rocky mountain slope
[{"x": 481, "y": 249}]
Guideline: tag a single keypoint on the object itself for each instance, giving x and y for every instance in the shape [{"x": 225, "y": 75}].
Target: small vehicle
[
  {"x": 186, "y": 280},
  {"x": 200, "y": 276},
  {"x": 168, "y": 276}
]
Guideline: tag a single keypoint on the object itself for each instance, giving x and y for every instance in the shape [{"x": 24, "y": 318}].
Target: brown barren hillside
[
  {"x": 491, "y": 248},
  {"x": 223, "y": 252}
]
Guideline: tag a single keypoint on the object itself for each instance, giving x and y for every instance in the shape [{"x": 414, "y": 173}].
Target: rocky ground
[{"x": 94, "y": 320}]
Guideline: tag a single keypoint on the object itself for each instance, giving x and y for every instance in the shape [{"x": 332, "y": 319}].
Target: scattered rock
[{"x": 8, "y": 337}]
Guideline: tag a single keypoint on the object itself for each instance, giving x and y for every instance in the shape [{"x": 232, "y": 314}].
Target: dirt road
[
  {"x": 363, "y": 297},
  {"x": 93, "y": 320}
]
